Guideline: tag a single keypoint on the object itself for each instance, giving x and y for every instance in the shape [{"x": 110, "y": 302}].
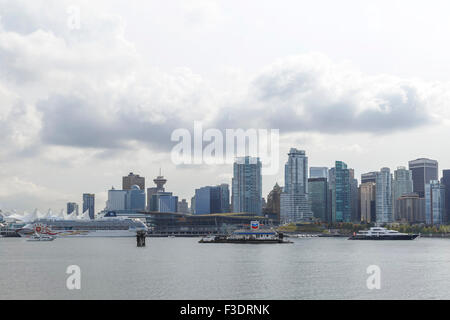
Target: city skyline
[{"x": 74, "y": 123}]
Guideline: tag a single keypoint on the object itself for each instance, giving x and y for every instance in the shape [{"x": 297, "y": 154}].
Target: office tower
[
  {"x": 355, "y": 216},
  {"x": 410, "y": 208},
  {"x": 402, "y": 184},
  {"x": 434, "y": 202},
  {"x": 273, "y": 203},
  {"x": 131, "y": 180},
  {"x": 446, "y": 182},
  {"x": 318, "y": 198},
  {"x": 212, "y": 199},
  {"x": 369, "y": 177},
  {"x": 368, "y": 201},
  {"x": 164, "y": 202},
  {"x": 72, "y": 207},
  {"x": 247, "y": 185},
  {"x": 294, "y": 203},
  {"x": 423, "y": 171},
  {"x": 332, "y": 195},
  {"x": 135, "y": 199},
  {"x": 318, "y": 172},
  {"x": 341, "y": 193},
  {"x": 160, "y": 181},
  {"x": 384, "y": 196},
  {"x": 193, "y": 205},
  {"x": 116, "y": 200},
  {"x": 89, "y": 204},
  {"x": 183, "y": 207}
]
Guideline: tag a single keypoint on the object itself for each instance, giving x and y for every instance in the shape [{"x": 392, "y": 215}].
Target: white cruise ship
[{"x": 107, "y": 226}]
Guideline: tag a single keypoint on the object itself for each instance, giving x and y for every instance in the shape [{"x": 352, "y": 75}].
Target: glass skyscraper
[
  {"x": 434, "y": 202},
  {"x": 212, "y": 199},
  {"x": 318, "y": 198},
  {"x": 384, "y": 196},
  {"x": 89, "y": 204},
  {"x": 341, "y": 189},
  {"x": 247, "y": 185},
  {"x": 318, "y": 172},
  {"x": 423, "y": 171},
  {"x": 294, "y": 203},
  {"x": 446, "y": 182},
  {"x": 402, "y": 184}
]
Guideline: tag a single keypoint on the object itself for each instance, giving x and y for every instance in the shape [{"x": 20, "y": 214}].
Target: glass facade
[
  {"x": 434, "y": 203},
  {"x": 294, "y": 203},
  {"x": 318, "y": 172},
  {"x": 446, "y": 183},
  {"x": 247, "y": 185},
  {"x": 89, "y": 204},
  {"x": 343, "y": 193},
  {"x": 318, "y": 198},
  {"x": 423, "y": 171},
  {"x": 384, "y": 212}
]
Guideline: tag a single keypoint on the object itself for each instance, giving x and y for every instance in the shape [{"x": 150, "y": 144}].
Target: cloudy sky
[{"x": 81, "y": 105}]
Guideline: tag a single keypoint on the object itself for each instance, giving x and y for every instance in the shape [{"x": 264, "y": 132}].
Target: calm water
[{"x": 317, "y": 268}]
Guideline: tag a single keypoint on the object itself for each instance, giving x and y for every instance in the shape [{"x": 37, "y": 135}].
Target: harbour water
[{"x": 181, "y": 268}]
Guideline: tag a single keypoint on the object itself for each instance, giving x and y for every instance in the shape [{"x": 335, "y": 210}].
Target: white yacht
[{"x": 379, "y": 233}]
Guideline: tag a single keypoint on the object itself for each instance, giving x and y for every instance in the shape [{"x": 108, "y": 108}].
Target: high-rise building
[
  {"x": 341, "y": 193},
  {"x": 318, "y": 172},
  {"x": 160, "y": 181},
  {"x": 135, "y": 199},
  {"x": 89, "y": 204},
  {"x": 72, "y": 207},
  {"x": 410, "y": 208},
  {"x": 356, "y": 215},
  {"x": 247, "y": 185},
  {"x": 446, "y": 182},
  {"x": 131, "y": 180},
  {"x": 423, "y": 171},
  {"x": 369, "y": 177},
  {"x": 294, "y": 201},
  {"x": 116, "y": 200},
  {"x": 212, "y": 199},
  {"x": 164, "y": 202},
  {"x": 402, "y": 184},
  {"x": 183, "y": 207},
  {"x": 273, "y": 203},
  {"x": 434, "y": 202},
  {"x": 368, "y": 202},
  {"x": 318, "y": 198},
  {"x": 384, "y": 212}
]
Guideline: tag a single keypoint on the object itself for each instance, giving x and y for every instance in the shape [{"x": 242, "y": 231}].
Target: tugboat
[
  {"x": 252, "y": 236},
  {"x": 379, "y": 233}
]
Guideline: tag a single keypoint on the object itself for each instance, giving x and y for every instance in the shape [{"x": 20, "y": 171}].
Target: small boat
[
  {"x": 379, "y": 233},
  {"x": 41, "y": 237}
]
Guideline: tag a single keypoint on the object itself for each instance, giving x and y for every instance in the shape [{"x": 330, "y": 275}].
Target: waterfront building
[
  {"x": 446, "y": 182},
  {"x": 247, "y": 185},
  {"x": 116, "y": 200},
  {"x": 369, "y": 177},
  {"x": 164, "y": 202},
  {"x": 131, "y": 180},
  {"x": 160, "y": 181},
  {"x": 212, "y": 199},
  {"x": 384, "y": 212},
  {"x": 368, "y": 202},
  {"x": 72, "y": 207},
  {"x": 356, "y": 214},
  {"x": 318, "y": 172},
  {"x": 402, "y": 184},
  {"x": 318, "y": 198},
  {"x": 341, "y": 189},
  {"x": 272, "y": 208},
  {"x": 423, "y": 171},
  {"x": 294, "y": 203},
  {"x": 89, "y": 204},
  {"x": 135, "y": 199},
  {"x": 410, "y": 208},
  {"x": 434, "y": 202}
]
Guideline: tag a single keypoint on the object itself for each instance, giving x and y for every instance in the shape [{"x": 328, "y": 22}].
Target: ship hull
[
  {"x": 266, "y": 241},
  {"x": 385, "y": 237}
]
